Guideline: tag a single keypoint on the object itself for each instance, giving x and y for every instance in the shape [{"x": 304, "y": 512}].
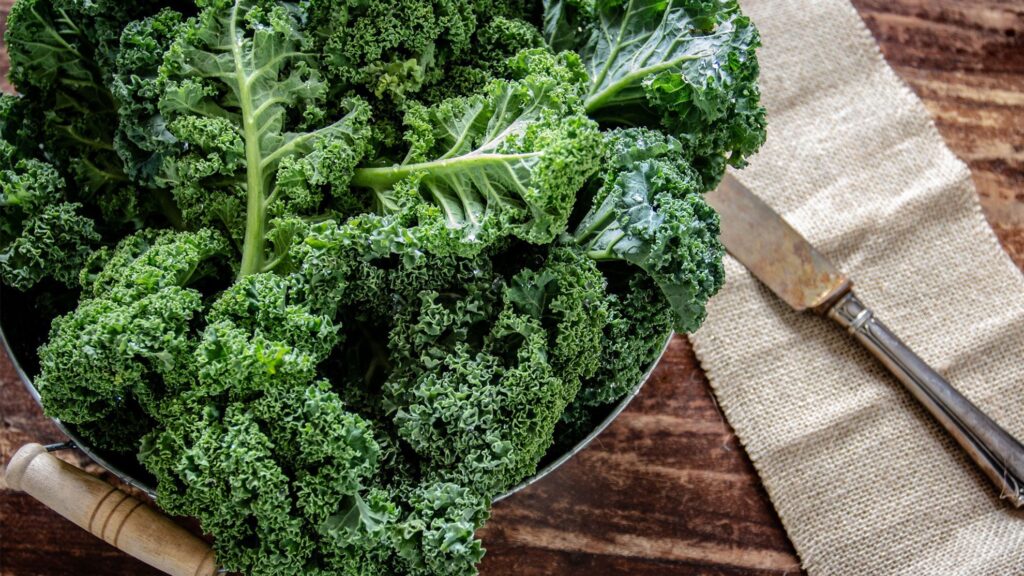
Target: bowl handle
[{"x": 109, "y": 513}]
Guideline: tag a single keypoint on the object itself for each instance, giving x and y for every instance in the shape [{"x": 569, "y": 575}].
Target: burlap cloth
[{"x": 863, "y": 481}]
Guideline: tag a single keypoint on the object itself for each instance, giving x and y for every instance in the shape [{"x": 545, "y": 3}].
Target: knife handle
[{"x": 999, "y": 455}]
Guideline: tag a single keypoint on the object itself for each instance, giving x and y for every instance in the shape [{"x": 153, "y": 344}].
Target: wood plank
[{"x": 966, "y": 62}]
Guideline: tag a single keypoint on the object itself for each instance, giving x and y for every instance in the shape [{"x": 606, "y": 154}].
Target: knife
[{"x": 801, "y": 276}]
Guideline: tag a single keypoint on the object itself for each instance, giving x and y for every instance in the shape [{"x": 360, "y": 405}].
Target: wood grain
[
  {"x": 965, "y": 59},
  {"x": 666, "y": 490}
]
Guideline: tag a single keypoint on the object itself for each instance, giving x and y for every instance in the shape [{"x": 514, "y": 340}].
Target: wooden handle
[{"x": 109, "y": 513}]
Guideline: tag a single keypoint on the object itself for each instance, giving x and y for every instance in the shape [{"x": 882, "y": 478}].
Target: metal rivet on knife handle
[{"x": 801, "y": 276}]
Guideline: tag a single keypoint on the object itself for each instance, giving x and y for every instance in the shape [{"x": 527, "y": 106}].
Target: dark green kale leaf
[
  {"x": 649, "y": 212},
  {"x": 142, "y": 138},
  {"x": 130, "y": 340},
  {"x": 565, "y": 21},
  {"x": 389, "y": 49},
  {"x": 41, "y": 235},
  {"x": 437, "y": 537},
  {"x": 272, "y": 476},
  {"x": 639, "y": 322},
  {"x": 63, "y": 55},
  {"x": 687, "y": 65},
  {"x": 494, "y": 44},
  {"x": 480, "y": 377}
]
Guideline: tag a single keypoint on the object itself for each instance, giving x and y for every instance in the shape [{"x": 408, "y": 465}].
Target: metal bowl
[{"x": 131, "y": 472}]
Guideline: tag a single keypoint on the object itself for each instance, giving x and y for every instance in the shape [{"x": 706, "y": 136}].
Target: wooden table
[{"x": 666, "y": 489}]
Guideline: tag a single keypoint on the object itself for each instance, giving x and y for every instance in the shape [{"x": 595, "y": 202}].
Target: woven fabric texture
[{"x": 863, "y": 480}]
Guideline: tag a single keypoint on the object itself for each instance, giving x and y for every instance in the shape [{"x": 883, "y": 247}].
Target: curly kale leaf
[
  {"x": 260, "y": 336},
  {"x": 221, "y": 469},
  {"x": 494, "y": 45},
  {"x": 690, "y": 65},
  {"x": 63, "y": 56},
  {"x": 41, "y": 235},
  {"x": 569, "y": 296},
  {"x": 389, "y": 48},
  {"x": 480, "y": 377},
  {"x": 437, "y": 538},
  {"x": 244, "y": 103},
  {"x": 130, "y": 340},
  {"x": 271, "y": 475},
  {"x": 480, "y": 422},
  {"x": 639, "y": 321},
  {"x": 53, "y": 243},
  {"x": 508, "y": 162},
  {"x": 650, "y": 212},
  {"x": 142, "y": 138}
]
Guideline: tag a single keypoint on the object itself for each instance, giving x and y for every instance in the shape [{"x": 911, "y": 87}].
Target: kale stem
[
  {"x": 256, "y": 209},
  {"x": 601, "y": 99},
  {"x": 600, "y": 222},
  {"x": 382, "y": 178},
  {"x": 274, "y": 263}
]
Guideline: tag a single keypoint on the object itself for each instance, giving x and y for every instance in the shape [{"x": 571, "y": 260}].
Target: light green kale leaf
[
  {"x": 507, "y": 162},
  {"x": 244, "y": 103}
]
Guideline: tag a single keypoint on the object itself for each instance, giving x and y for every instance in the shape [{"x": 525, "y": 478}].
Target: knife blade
[{"x": 778, "y": 256}]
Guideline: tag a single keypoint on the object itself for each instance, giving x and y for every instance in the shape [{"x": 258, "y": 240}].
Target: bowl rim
[{"x": 97, "y": 457}]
